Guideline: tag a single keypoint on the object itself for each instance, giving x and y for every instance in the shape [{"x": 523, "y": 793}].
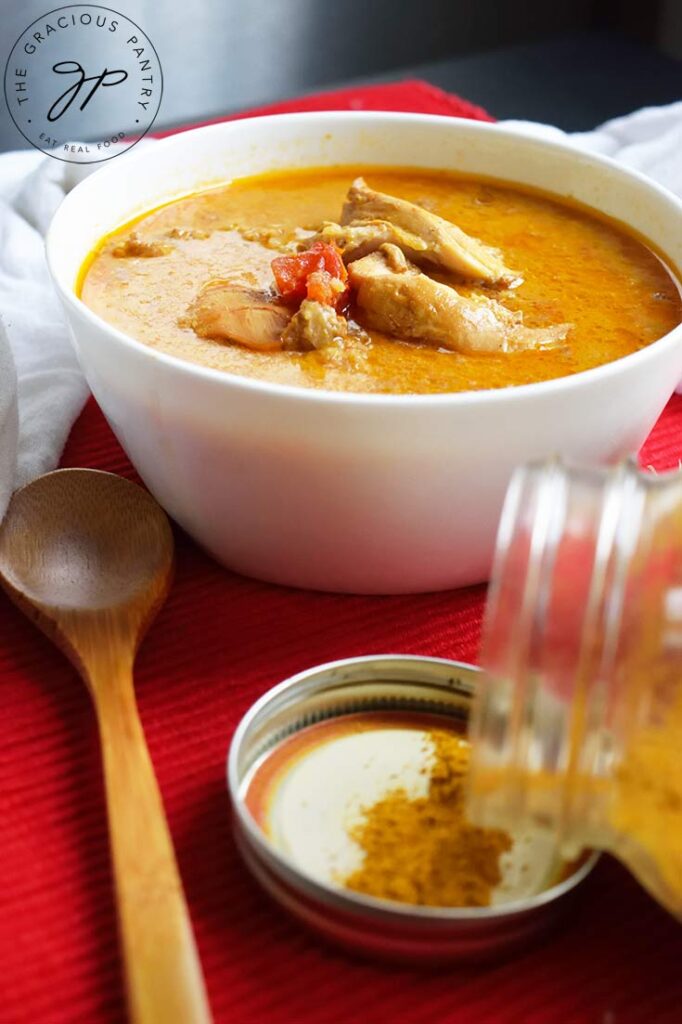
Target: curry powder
[{"x": 423, "y": 850}]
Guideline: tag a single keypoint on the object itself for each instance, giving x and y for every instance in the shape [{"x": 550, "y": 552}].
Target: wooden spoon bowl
[{"x": 74, "y": 557}]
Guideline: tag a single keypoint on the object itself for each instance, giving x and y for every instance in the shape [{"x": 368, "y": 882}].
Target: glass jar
[{"x": 578, "y": 729}]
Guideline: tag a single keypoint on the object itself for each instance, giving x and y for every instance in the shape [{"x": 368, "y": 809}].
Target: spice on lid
[{"x": 423, "y": 850}]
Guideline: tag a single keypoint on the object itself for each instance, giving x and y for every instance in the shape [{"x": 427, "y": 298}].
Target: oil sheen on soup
[{"x": 382, "y": 280}]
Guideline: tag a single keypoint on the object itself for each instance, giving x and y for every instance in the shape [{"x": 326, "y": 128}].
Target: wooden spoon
[{"x": 88, "y": 556}]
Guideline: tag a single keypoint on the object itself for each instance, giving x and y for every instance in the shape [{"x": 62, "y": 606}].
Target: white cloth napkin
[
  {"x": 649, "y": 141},
  {"x": 51, "y": 388}
]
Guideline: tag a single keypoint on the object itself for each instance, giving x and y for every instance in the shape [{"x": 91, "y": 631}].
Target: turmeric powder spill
[{"x": 423, "y": 850}]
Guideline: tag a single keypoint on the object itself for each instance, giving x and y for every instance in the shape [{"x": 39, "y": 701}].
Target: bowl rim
[
  {"x": 324, "y": 396},
  {"x": 345, "y": 899}
]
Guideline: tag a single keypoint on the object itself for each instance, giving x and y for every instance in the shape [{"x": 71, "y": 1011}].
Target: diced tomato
[{"x": 292, "y": 274}]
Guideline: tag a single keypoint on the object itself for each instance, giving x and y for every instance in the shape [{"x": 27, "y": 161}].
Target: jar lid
[{"x": 318, "y": 749}]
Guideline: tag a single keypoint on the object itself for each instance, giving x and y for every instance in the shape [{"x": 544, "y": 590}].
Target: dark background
[{"x": 574, "y": 64}]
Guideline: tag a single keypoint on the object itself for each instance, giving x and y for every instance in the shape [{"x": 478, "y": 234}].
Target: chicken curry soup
[{"x": 381, "y": 280}]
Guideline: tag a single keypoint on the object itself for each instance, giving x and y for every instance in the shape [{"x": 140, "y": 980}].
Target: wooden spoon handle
[{"x": 163, "y": 972}]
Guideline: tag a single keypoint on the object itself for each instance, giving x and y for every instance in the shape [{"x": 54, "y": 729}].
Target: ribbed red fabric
[{"x": 219, "y": 642}]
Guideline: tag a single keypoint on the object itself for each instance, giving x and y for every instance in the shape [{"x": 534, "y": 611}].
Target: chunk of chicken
[
  {"x": 316, "y": 325},
  {"x": 396, "y": 298},
  {"x": 444, "y": 243},
  {"x": 359, "y": 239},
  {"x": 232, "y": 312}
]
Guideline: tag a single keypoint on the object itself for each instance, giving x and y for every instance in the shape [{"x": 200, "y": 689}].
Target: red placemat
[{"x": 220, "y": 641}]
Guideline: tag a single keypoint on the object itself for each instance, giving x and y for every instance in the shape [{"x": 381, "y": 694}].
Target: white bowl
[{"x": 353, "y": 492}]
